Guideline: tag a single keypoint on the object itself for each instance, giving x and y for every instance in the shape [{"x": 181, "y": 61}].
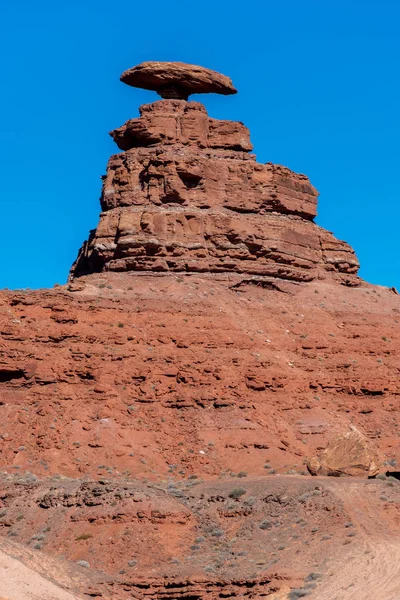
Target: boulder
[{"x": 346, "y": 454}]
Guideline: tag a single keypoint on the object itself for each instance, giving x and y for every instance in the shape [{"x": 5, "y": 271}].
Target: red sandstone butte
[
  {"x": 186, "y": 196},
  {"x": 158, "y": 412}
]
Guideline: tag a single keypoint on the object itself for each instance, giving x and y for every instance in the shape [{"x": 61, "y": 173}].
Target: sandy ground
[
  {"x": 370, "y": 570},
  {"x": 18, "y": 581}
]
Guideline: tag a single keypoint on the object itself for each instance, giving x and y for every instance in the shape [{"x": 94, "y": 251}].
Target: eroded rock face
[
  {"x": 179, "y": 122},
  {"x": 186, "y": 196}
]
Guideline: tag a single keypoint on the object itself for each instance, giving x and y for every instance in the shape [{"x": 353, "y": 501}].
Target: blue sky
[{"x": 318, "y": 87}]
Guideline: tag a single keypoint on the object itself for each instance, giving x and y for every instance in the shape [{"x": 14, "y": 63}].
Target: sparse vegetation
[
  {"x": 298, "y": 593},
  {"x": 313, "y": 577},
  {"x": 237, "y": 493},
  {"x": 83, "y": 536},
  {"x": 217, "y": 533},
  {"x": 83, "y": 563}
]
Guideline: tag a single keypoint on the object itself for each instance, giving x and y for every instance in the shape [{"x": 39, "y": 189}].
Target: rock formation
[
  {"x": 157, "y": 412},
  {"x": 177, "y": 80},
  {"x": 186, "y": 195}
]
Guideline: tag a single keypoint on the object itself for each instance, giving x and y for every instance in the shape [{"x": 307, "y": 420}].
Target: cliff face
[{"x": 186, "y": 196}]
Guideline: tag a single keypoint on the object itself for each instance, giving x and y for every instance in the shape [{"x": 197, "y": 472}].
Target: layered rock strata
[{"x": 186, "y": 195}]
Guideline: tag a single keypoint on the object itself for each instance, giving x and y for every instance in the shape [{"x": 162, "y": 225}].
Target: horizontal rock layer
[
  {"x": 178, "y": 121},
  {"x": 205, "y": 241}
]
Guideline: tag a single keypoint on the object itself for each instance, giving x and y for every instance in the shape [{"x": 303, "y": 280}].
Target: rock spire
[{"x": 186, "y": 195}]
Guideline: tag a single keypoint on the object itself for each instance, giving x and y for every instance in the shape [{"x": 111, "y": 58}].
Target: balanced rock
[
  {"x": 177, "y": 80},
  {"x": 346, "y": 454}
]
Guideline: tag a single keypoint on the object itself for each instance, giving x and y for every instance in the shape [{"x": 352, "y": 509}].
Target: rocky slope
[
  {"x": 159, "y": 411},
  {"x": 206, "y": 374}
]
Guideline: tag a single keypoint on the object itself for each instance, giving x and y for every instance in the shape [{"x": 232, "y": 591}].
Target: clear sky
[{"x": 318, "y": 85}]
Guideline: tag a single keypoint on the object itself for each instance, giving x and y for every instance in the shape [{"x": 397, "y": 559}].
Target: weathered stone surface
[
  {"x": 179, "y": 122},
  {"x": 346, "y": 454},
  {"x": 177, "y": 80},
  {"x": 187, "y": 196}
]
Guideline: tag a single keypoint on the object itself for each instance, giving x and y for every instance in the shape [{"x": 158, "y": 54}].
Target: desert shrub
[
  {"x": 313, "y": 576},
  {"x": 83, "y": 536},
  {"x": 299, "y": 593},
  {"x": 217, "y": 533},
  {"x": 237, "y": 493},
  {"x": 250, "y": 501}
]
